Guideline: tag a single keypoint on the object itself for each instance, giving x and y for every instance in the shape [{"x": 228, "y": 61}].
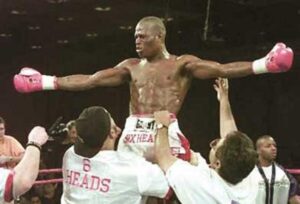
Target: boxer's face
[
  {"x": 267, "y": 149},
  {"x": 2, "y": 129},
  {"x": 147, "y": 40}
]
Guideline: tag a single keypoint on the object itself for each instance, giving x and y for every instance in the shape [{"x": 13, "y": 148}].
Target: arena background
[{"x": 63, "y": 37}]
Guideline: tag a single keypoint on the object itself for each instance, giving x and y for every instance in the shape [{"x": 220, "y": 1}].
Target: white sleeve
[
  {"x": 202, "y": 164},
  {"x": 189, "y": 182},
  {"x": 6, "y": 182},
  {"x": 151, "y": 180}
]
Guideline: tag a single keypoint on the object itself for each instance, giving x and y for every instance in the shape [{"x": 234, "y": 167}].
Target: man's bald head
[{"x": 156, "y": 24}]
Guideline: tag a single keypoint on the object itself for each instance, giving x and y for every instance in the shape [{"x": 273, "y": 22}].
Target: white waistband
[{"x": 142, "y": 121}]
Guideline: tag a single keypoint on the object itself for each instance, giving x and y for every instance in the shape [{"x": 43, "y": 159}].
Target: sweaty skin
[
  {"x": 158, "y": 80},
  {"x": 157, "y": 86}
]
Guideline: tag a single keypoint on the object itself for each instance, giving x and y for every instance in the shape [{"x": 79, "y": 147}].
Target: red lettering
[
  {"x": 95, "y": 183},
  {"x": 85, "y": 182},
  {"x": 138, "y": 138},
  {"x": 126, "y": 139},
  {"x": 132, "y": 138},
  {"x": 86, "y": 165},
  {"x": 69, "y": 176},
  {"x": 105, "y": 185},
  {"x": 150, "y": 139},
  {"x": 145, "y": 137},
  {"x": 75, "y": 178}
]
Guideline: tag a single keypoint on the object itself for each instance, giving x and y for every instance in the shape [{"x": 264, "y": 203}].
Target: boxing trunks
[{"x": 139, "y": 136}]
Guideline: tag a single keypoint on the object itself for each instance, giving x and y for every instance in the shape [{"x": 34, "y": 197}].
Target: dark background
[{"x": 62, "y": 37}]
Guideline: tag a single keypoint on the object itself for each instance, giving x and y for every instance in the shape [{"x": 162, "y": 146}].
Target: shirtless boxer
[{"x": 158, "y": 80}]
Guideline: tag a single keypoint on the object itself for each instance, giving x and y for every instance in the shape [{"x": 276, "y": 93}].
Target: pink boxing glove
[
  {"x": 279, "y": 59},
  {"x": 30, "y": 80}
]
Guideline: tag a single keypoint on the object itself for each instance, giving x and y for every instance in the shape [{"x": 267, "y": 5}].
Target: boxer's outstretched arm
[
  {"x": 31, "y": 80},
  {"x": 204, "y": 69},
  {"x": 227, "y": 122},
  {"x": 279, "y": 59},
  {"x": 107, "y": 77}
]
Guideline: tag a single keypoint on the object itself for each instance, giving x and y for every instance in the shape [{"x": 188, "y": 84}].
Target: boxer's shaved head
[{"x": 156, "y": 25}]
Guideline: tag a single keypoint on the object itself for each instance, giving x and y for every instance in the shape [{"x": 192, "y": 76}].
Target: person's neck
[
  {"x": 163, "y": 54},
  {"x": 265, "y": 163},
  {"x": 85, "y": 151},
  {"x": 109, "y": 144},
  {"x": 1, "y": 139}
]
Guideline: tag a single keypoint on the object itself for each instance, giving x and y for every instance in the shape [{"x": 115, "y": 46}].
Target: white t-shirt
[
  {"x": 6, "y": 180},
  {"x": 201, "y": 184},
  {"x": 284, "y": 187},
  {"x": 110, "y": 177}
]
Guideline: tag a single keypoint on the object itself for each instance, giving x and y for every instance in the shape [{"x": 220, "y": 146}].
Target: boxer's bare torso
[{"x": 158, "y": 85}]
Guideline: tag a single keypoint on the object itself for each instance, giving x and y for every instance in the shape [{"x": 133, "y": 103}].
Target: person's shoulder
[
  {"x": 280, "y": 166},
  {"x": 284, "y": 170},
  {"x": 187, "y": 57},
  {"x": 132, "y": 158},
  {"x": 129, "y": 156},
  {"x": 10, "y": 138},
  {"x": 129, "y": 62},
  {"x": 69, "y": 151}
]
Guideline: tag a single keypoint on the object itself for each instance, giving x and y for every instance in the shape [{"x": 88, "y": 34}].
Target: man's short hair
[
  {"x": 70, "y": 124},
  {"x": 93, "y": 126},
  {"x": 2, "y": 120},
  {"x": 264, "y": 137},
  {"x": 156, "y": 22},
  {"x": 237, "y": 157}
]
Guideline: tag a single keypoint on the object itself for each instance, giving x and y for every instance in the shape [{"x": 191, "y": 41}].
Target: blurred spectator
[
  {"x": 16, "y": 182},
  {"x": 71, "y": 133},
  {"x": 276, "y": 185},
  {"x": 50, "y": 194},
  {"x": 34, "y": 198},
  {"x": 11, "y": 151}
]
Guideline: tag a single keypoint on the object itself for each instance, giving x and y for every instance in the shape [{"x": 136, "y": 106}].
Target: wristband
[
  {"x": 259, "y": 66},
  {"x": 35, "y": 144},
  {"x": 49, "y": 82}
]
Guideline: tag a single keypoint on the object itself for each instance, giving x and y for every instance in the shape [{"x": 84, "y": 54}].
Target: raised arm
[
  {"x": 30, "y": 80},
  {"x": 163, "y": 154},
  {"x": 279, "y": 59},
  {"x": 27, "y": 169},
  {"x": 227, "y": 122}
]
